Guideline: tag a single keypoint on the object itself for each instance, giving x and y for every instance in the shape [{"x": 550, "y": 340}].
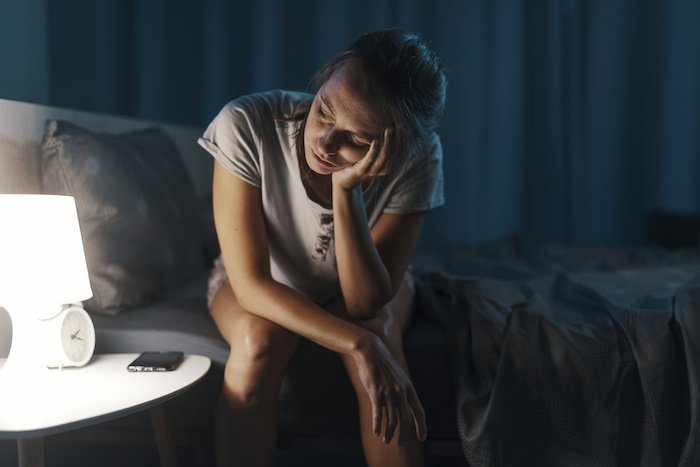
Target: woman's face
[{"x": 342, "y": 122}]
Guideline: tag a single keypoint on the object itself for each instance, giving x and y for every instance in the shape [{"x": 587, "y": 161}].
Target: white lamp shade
[{"x": 41, "y": 251}]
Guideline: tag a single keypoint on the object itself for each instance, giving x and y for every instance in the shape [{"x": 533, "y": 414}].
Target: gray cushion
[{"x": 137, "y": 209}]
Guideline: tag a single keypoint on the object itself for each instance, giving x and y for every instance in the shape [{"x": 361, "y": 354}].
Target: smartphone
[{"x": 156, "y": 361}]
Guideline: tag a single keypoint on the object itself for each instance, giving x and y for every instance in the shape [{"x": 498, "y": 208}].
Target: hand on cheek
[{"x": 370, "y": 166}]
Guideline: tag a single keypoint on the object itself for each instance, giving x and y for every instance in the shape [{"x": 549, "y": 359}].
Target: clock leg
[
  {"x": 164, "y": 439},
  {"x": 30, "y": 452}
]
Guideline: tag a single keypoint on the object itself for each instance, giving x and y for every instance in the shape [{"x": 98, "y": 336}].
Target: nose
[{"x": 328, "y": 142}]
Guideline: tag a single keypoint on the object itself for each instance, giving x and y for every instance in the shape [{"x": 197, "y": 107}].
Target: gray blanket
[{"x": 570, "y": 356}]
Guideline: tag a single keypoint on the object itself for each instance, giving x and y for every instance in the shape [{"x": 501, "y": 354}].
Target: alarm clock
[{"x": 69, "y": 337}]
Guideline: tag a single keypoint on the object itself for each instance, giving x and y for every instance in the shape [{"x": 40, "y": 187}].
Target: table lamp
[{"x": 42, "y": 268}]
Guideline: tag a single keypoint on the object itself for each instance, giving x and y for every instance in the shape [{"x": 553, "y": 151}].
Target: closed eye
[
  {"x": 324, "y": 113},
  {"x": 360, "y": 143}
]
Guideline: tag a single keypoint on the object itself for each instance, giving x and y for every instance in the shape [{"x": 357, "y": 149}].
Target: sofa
[{"x": 144, "y": 201}]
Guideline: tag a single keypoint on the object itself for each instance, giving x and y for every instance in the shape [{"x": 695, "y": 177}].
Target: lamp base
[{"x": 27, "y": 348}]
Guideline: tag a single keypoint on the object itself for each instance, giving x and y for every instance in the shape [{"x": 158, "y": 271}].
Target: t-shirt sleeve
[
  {"x": 231, "y": 139},
  {"x": 420, "y": 185}
]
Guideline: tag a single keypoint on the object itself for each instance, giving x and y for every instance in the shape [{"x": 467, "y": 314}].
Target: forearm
[
  {"x": 365, "y": 282},
  {"x": 288, "y": 308}
]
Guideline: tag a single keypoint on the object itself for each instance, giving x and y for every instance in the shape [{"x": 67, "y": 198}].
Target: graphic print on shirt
[{"x": 323, "y": 237}]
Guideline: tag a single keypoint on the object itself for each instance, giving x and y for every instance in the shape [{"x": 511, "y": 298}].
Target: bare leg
[
  {"x": 246, "y": 419},
  {"x": 390, "y": 325}
]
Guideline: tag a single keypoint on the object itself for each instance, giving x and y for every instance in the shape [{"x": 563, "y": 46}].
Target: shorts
[{"x": 217, "y": 278}]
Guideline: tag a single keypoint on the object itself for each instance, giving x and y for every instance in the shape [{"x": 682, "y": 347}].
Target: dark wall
[
  {"x": 24, "y": 63},
  {"x": 567, "y": 120}
]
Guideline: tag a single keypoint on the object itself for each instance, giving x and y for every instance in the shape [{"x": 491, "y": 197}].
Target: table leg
[
  {"x": 164, "y": 439},
  {"x": 30, "y": 452}
]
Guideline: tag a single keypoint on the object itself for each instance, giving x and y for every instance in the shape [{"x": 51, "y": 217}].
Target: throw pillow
[{"x": 137, "y": 209}]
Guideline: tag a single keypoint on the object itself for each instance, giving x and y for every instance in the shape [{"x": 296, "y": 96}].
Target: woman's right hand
[{"x": 394, "y": 400}]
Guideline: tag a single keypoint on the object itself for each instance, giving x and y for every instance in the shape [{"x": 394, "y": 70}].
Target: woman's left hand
[
  {"x": 396, "y": 409},
  {"x": 371, "y": 165}
]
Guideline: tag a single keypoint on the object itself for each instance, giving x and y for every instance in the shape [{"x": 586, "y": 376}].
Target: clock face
[{"x": 76, "y": 337}]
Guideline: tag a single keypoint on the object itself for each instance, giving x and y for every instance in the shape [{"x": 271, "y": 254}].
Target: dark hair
[{"x": 408, "y": 74}]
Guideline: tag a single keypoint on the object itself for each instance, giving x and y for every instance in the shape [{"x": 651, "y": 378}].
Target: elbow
[
  {"x": 362, "y": 313},
  {"x": 246, "y": 301},
  {"x": 248, "y": 292},
  {"x": 368, "y": 306}
]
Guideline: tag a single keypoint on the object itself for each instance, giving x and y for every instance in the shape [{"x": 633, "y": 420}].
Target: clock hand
[{"x": 75, "y": 336}]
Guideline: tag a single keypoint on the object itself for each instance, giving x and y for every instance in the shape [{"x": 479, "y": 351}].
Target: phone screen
[{"x": 156, "y": 361}]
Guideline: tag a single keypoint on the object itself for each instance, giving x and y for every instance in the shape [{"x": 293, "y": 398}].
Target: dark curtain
[{"x": 568, "y": 120}]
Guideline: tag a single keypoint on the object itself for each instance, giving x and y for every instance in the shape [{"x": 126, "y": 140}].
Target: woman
[{"x": 318, "y": 203}]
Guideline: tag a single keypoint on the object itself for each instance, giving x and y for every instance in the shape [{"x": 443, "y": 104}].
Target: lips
[{"x": 324, "y": 162}]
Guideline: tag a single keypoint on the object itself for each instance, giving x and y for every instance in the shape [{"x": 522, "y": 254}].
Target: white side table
[{"x": 56, "y": 401}]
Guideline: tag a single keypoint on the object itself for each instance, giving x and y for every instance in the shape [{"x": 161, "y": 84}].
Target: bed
[{"x": 568, "y": 356}]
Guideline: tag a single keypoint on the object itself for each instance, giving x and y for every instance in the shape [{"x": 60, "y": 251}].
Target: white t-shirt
[{"x": 252, "y": 139}]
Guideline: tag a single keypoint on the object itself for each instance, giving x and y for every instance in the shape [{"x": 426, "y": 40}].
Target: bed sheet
[{"x": 567, "y": 356}]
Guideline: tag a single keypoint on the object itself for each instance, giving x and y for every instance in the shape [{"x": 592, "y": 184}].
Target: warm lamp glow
[
  {"x": 42, "y": 266},
  {"x": 41, "y": 251}
]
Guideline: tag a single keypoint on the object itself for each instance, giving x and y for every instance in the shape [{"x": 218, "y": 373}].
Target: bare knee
[
  {"x": 261, "y": 340},
  {"x": 260, "y": 352},
  {"x": 391, "y": 320},
  {"x": 384, "y": 324}
]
